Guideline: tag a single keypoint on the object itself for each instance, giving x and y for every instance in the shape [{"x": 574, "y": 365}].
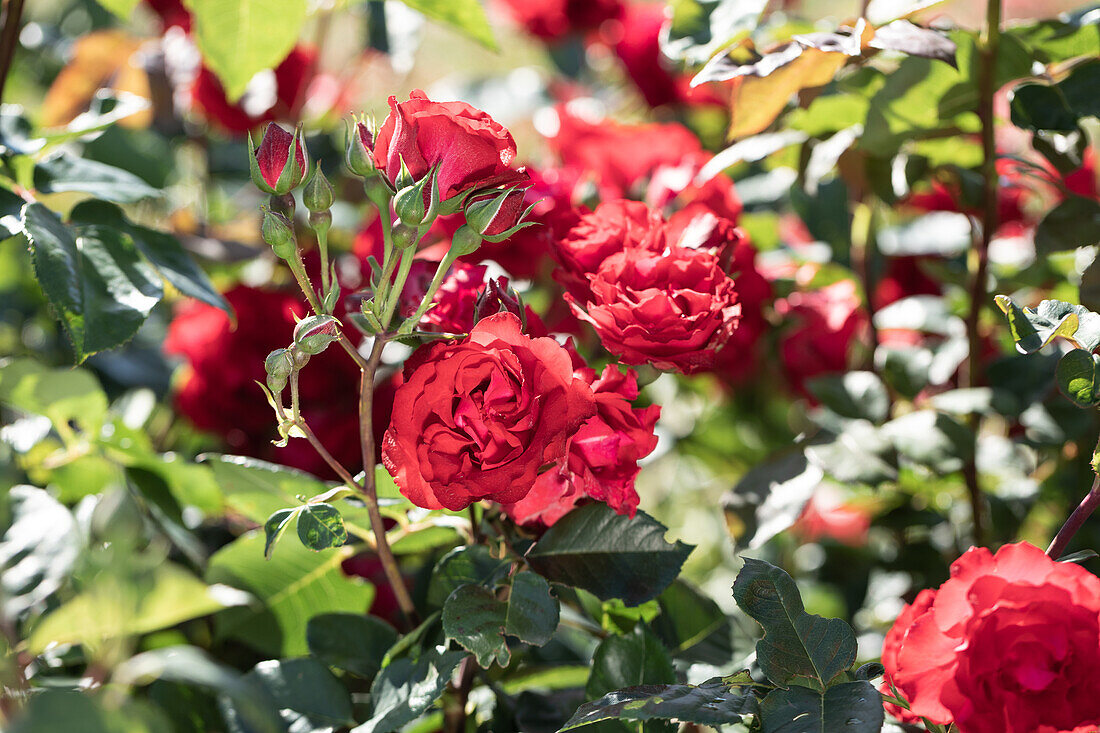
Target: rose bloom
[
  {"x": 611, "y": 228},
  {"x": 479, "y": 418},
  {"x": 471, "y": 149},
  {"x": 551, "y": 20},
  {"x": 829, "y": 320},
  {"x": 673, "y": 309},
  {"x": 826, "y": 516},
  {"x": 603, "y": 456},
  {"x": 217, "y": 390},
  {"x": 453, "y": 306},
  {"x": 1009, "y": 644}
]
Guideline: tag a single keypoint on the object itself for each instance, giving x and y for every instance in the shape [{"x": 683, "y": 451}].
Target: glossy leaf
[
  {"x": 466, "y": 16},
  {"x": 769, "y": 497},
  {"x": 861, "y": 453},
  {"x": 67, "y": 172},
  {"x": 292, "y": 587},
  {"x": 1034, "y": 328},
  {"x": 1060, "y": 106},
  {"x": 162, "y": 250},
  {"x": 308, "y": 697},
  {"x": 797, "y": 647},
  {"x": 320, "y": 526},
  {"x": 63, "y": 395},
  {"x": 699, "y": 29},
  {"x": 1077, "y": 377},
  {"x": 1073, "y": 223},
  {"x": 37, "y": 551},
  {"x": 274, "y": 528},
  {"x": 406, "y": 688},
  {"x": 638, "y": 658},
  {"x": 100, "y": 288},
  {"x": 911, "y": 39},
  {"x": 240, "y": 38},
  {"x": 461, "y": 566},
  {"x": 711, "y": 703},
  {"x": 110, "y": 610},
  {"x": 932, "y": 439},
  {"x": 850, "y": 707},
  {"x": 350, "y": 641},
  {"x": 474, "y": 617},
  {"x": 609, "y": 555},
  {"x": 532, "y": 611},
  {"x": 855, "y": 395}
]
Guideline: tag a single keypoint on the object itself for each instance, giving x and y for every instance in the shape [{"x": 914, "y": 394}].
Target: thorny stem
[
  {"x": 299, "y": 269},
  {"x": 1076, "y": 520},
  {"x": 454, "y": 716},
  {"x": 9, "y": 38},
  {"x": 978, "y": 263}
]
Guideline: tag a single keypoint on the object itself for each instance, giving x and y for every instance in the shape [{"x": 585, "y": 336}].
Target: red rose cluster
[
  {"x": 652, "y": 300},
  {"x": 1009, "y": 644}
]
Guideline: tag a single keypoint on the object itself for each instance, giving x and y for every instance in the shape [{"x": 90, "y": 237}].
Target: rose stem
[
  {"x": 1076, "y": 520},
  {"x": 433, "y": 287},
  {"x": 366, "y": 444},
  {"x": 9, "y": 37},
  {"x": 978, "y": 260},
  {"x": 398, "y": 285},
  {"x": 454, "y": 717}
]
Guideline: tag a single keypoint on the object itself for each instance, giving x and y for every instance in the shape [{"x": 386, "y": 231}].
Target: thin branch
[
  {"x": 1076, "y": 520},
  {"x": 9, "y": 39}
]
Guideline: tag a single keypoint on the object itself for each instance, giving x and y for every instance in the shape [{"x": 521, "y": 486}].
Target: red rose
[
  {"x": 471, "y": 149},
  {"x": 291, "y": 81},
  {"x": 218, "y": 391},
  {"x": 621, "y": 157},
  {"x": 553, "y": 19},
  {"x": 903, "y": 278},
  {"x": 673, "y": 309},
  {"x": 602, "y": 462},
  {"x": 1009, "y": 644},
  {"x": 611, "y": 228},
  {"x": 477, "y": 419},
  {"x": 827, "y": 516},
  {"x": 272, "y": 157},
  {"x": 829, "y": 321}
]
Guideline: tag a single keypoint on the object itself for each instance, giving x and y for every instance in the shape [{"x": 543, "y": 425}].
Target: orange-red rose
[
  {"x": 1009, "y": 644},
  {"x": 478, "y": 419}
]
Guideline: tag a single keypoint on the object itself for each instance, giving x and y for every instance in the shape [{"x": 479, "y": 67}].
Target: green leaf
[
  {"x": 406, "y": 688},
  {"x": 67, "y": 172},
  {"x": 932, "y": 439},
  {"x": 350, "y": 641},
  {"x": 308, "y": 697},
  {"x": 94, "y": 279},
  {"x": 38, "y": 550},
  {"x": 687, "y": 618},
  {"x": 274, "y": 527},
  {"x": 609, "y": 555},
  {"x": 163, "y": 250},
  {"x": 635, "y": 659},
  {"x": 257, "y": 489},
  {"x": 191, "y": 666},
  {"x": 1058, "y": 107},
  {"x": 474, "y": 617},
  {"x": 110, "y": 609},
  {"x": 49, "y": 711},
  {"x": 466, "y": 16},
  {"x": 62, "y": 395},
  {"x": 855, "y": 395},
  {"x": 1034, "y": 328},
  {"x": 1073, "y": 223},
  {"x": 861, "y": 453},
  {"x": 797, "y": 647},
  {"x": 239, "y": 38},
  {"x": 532, "y": 611},
  {"x": 701, "y": 28},
  {"x": 321, "y": 527},
  {"x": 462, "y": 566},
  {"x": 769, "y": 497},
  {"x": 850, "y": 707},
  {"x": 121, "y": 8},
  {"x": 293, "y": 586},
  {"x": 1077, "y": 377},
  {"x": 711, "y": 703},
  {"x": 1052, "y": 41}
]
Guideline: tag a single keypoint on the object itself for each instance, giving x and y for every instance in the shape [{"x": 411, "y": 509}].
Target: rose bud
[
  {"x": 274, "y": 170},
  {"x": 498, "y": 216},
  {"x": 465, "y": 241},
  {"x": 318, "y": 195},
  {"x": 278, "y": 367},
  {"x": 499, "y": 297},
  {"x": 313, "y": 335},
  {"x": 360, "y": 150},
  {"x": 278, "y": 232},
  {"x": 417, "y": 203}
]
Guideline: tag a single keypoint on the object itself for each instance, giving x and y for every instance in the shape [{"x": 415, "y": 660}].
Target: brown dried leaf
[{"x": 100, "y": 59}]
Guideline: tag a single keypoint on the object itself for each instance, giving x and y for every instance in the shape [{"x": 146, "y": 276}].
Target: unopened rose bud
[
  {"x": 318, "y": 194},
  {"x": 274, "y": 170},
  {"x": 298, "y": 357},
  {"x": 314, "y": 334},
  {"x": 499, "y": 297},
  {"x": 409, "y": 204},
  {"x": 278, "y": 232},
  {"x": 498, "y": 215},
  {"x": 465, "y": 241},
  {"x": 360, "y": 151},
  {"x": 278, "y": 367}
]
